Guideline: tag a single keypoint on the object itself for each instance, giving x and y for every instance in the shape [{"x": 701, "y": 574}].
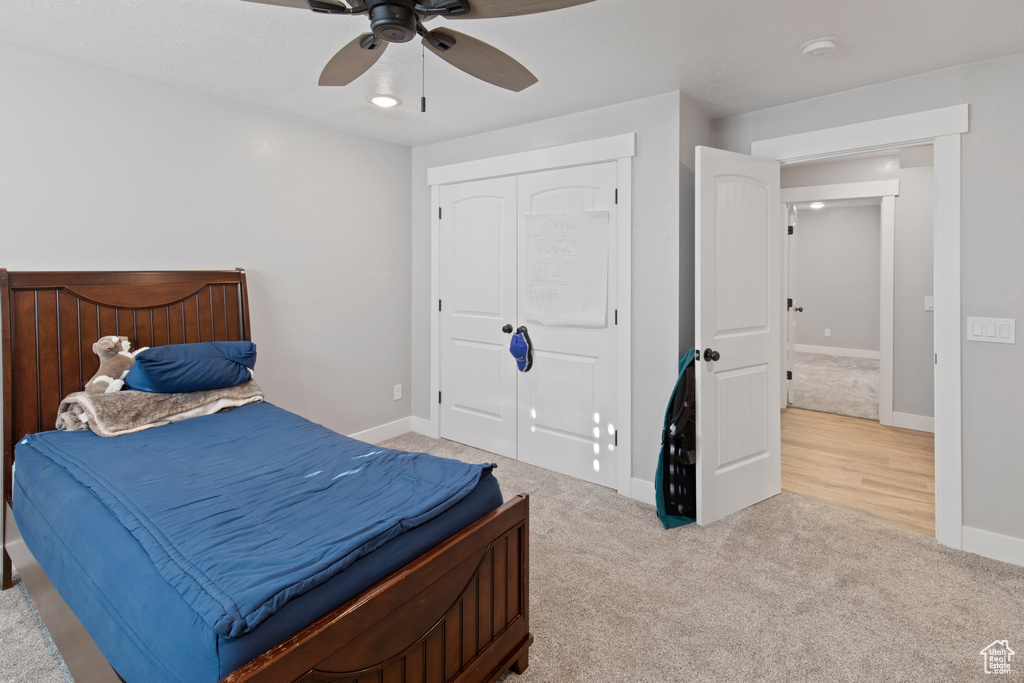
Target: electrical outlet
[
  {"x": 398, "y": 391},
  {"x": 828, "y": 332}
]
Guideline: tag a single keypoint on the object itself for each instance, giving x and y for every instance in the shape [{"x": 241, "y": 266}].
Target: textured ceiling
[{"x": 730, "y": 56}]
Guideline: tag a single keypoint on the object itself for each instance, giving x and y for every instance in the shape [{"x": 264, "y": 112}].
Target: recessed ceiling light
[
  {"x": 817, "y": 205},
  {"x": 385, "y": 101},
  {"x": 818, "y": 46}
]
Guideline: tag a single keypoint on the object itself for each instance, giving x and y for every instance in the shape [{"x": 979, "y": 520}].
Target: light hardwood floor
[{"x": 886, "y": 471}]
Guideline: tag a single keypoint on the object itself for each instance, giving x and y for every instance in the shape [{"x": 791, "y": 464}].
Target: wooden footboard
[{"x": 458, "y": 613}]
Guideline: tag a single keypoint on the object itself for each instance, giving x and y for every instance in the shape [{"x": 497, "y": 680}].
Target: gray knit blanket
[{"x": 124, "y": 412}]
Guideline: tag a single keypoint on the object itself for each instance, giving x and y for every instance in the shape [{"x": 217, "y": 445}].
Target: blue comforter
[{"x": 238, "y": 525}]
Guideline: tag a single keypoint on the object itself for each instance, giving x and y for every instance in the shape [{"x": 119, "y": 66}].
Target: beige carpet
[
  {"x": 792, "y": 589},
  {"x": 840, "y": 385}
]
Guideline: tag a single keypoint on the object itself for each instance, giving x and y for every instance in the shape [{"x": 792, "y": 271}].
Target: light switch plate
[
  {"x": 929, "y": 303},
  {"x": 995, "y": 330}
]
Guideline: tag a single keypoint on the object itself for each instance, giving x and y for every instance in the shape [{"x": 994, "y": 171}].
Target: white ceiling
[{"x": 730, "y": 56}]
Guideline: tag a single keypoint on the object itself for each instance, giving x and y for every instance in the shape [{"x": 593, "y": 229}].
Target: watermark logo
[{"x": 997, "y": 657}]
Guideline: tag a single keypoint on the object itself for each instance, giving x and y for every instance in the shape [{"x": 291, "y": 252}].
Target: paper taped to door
[{"x": 567, "y": 269}]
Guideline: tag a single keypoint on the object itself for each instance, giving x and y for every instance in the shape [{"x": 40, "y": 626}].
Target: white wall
[
  {"x": 100, "y": 171},
  {"x": 838, "y": 276},
  {"x": 992, "y": 251},
  {"x": 655, "y": 245}
]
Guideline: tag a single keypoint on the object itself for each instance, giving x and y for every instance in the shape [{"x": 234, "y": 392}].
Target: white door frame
[
  {"x": 789, "y": 270},
  {"x": 619, "y": 148},
  {"x": 886, "y": 191},
  {"x": 943, "y": 128}
]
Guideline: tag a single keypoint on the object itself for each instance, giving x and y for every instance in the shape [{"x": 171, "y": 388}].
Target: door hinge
[
  {"x": 791, "y": 228},
  {"x": 439, "y": 397},
  {"x": 616, "y": 195},
  {"x": 439, "y": 213},
  {"x": 789, "y": 304},
  {"x": 789, "y": 374},
  {"x": 439, "y": 305},
  {"x": 616, "y": 316},
  {"x": 616, "y": 438}
]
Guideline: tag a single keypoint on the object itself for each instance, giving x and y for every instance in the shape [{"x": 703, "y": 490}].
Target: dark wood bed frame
[{"x": 458, "y": 613}]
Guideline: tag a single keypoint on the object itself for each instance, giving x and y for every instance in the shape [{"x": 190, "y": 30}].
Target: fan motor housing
[{"x": 393, "y": 22}]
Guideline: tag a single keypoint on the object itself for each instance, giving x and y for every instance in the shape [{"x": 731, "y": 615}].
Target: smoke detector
[{"x": 818, "y": 46}]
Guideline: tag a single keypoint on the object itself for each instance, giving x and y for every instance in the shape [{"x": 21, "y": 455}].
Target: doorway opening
[
  {"x": 859, "y": 432},
  {"x": 837, "y": 271}
]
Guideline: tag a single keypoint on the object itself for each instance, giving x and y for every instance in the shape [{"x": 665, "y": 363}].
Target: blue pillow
[{"x": 192, "y": 367}]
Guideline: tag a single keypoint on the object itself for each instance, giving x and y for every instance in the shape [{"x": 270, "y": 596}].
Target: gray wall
[
  {"x": 913, "y": 360},
  {"x": 694, "y": 130},
  {"x": 850, "y": 170},
  {"x": 655, "y": 245},
  {"x": 838, "y": 276},
  {"x": 102, "y": 171},
  {"x": 992, "y": 251}
]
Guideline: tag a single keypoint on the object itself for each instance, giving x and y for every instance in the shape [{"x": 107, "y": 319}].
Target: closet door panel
[
  {"x": 566, "y": 294},
  {"x": 478, "y": 280}
]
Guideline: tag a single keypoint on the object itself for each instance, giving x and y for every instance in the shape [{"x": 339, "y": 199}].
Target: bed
[{"x": 453, "y": 606}]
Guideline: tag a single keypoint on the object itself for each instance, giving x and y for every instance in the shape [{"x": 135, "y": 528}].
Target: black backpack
[{"x": 678, "y": 478}]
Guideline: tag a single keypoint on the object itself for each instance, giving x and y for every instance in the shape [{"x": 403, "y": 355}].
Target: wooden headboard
[{"x": 52, "y": 319}]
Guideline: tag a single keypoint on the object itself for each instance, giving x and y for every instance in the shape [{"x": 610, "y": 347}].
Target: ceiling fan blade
[
  {"x": 297, "y": 4},
  {"x": 490, "y": 9},
  {"x": 352, "y": 61},
  {"x": 479, "y": 59}
]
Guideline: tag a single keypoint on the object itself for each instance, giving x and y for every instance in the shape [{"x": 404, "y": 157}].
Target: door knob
[
  {"x": 710, "y": 355},
  {"x": 799, "y": 309},
  {"x": 507, "y": 329}
]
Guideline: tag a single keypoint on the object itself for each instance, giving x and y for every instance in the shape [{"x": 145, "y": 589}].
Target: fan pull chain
[{"x": 423, "y": 84}]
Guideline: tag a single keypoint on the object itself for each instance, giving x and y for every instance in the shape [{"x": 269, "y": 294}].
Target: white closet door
[
  {"x": 567, "y": 301},
  {"x": 478, "y": 297},
  {"x": 739, "y": 317}
]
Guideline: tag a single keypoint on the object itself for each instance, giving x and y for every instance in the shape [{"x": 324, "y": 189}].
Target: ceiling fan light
[{"x": 385, "y": 101}]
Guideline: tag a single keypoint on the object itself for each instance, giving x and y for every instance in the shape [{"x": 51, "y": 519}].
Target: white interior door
[
  {"x": 567, "y": 301},
  {"x": 738, "y": 321},
  {"x": 478, "y": 297}
]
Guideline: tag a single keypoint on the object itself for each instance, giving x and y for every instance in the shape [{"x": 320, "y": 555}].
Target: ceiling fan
[{"x": 399, "y": 21}]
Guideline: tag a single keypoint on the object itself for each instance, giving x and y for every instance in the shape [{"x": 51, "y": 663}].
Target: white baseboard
[
  {"x": 642, "y": 490},
  {"x": 837, "y": 351},
  {"x": 920, "y": 423},
  {"x": 384, "y": 432},
  {"x": 993, "y": 545},
  {"x": 422, "y": 425}
]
